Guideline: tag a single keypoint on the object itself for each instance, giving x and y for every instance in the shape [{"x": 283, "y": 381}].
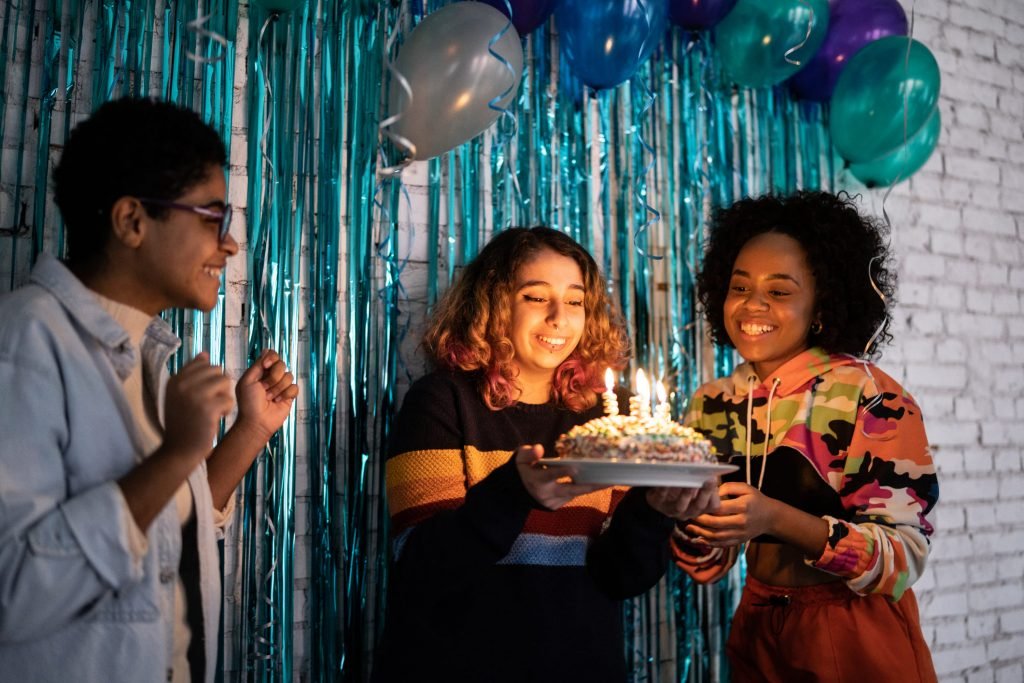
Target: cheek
[{"x": 729, "y": 307}]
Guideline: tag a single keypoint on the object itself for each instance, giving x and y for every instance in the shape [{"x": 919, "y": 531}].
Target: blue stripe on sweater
[{"x": 551, "y": 551}]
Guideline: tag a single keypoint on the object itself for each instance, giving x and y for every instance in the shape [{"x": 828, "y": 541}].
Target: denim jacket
[{"x": 75, "y": 604}]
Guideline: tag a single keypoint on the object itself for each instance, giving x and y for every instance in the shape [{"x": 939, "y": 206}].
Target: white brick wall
[{"x": 958, "y": 232}]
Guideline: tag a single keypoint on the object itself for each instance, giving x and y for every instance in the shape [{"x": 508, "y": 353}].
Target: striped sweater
[
  {"x": 844, "y": 441},
  {"x": 485, "y": 584}
]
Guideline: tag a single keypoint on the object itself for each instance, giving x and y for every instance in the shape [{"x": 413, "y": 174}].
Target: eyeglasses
[{"x": 222, "y": 215}]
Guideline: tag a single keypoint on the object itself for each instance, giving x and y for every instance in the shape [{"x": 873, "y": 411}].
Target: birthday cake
[{"x": 634, "y": 438}]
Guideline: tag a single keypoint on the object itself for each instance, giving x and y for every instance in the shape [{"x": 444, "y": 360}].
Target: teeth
[
  {"x": 755, "y": 329},
  {"x": 213, "y": 272},
  {"x": 553, "y": 341}
]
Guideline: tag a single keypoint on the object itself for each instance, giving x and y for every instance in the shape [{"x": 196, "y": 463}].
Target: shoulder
[
  {"x": 446, "y": 387},
  {"x": 436, "y": 412},
  {"x": 866, "y": 381},
  {"x": 32, "y": 325}
]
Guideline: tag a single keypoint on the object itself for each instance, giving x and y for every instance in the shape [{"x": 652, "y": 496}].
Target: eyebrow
[
  {"x": 773, "y": 276},
  {"x": 533, "y": 283}
]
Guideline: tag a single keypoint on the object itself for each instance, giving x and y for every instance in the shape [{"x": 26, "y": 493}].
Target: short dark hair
[
  {"x": 129, "y": 147},
  {"x": 841, "y": 246}
]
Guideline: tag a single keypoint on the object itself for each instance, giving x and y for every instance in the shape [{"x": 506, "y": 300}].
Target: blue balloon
[{"x": 605, "y": 41}]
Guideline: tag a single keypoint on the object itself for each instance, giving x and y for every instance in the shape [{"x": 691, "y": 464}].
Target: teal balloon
[
  {"x": 905, "y": 161},
  {"x": 867, "y": 118},
  {"x": 753, "y": 39}
]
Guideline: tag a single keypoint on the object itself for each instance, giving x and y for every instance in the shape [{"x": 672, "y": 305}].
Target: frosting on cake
[{"x": 635, "y": 439}]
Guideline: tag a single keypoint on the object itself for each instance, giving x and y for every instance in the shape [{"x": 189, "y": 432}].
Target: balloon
[
  {"x": 569, "y": 85},
  {"x": 852, "y": 25},
  {"x": 697, "y": 14},
  {"x": 905, "y": 161},
  {"x": 527, "y": 15},
  {"x": 753, "y": 39},
  {"x": 453, "y": 77},
  {"x": 280, "y": 5},
  {"x": 602, "y": 39},
  {"x": 867, "y": 116}
]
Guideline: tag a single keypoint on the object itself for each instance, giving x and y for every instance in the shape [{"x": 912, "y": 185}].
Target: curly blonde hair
[{"x": 470, "y": 328}]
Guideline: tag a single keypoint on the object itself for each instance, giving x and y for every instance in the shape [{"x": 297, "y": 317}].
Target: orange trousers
[{"x": 827, "y": 634}]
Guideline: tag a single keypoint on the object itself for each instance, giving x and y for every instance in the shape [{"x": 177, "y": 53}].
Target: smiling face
[
  {"x": 770, "y": 305},
  {"x": 548, "y": 316},
  {"x": 182, "y": 256}
]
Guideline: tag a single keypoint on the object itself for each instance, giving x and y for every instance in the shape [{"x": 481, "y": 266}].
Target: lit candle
[
  {"x": 661, "y": 410},
  {"x": 643, "y": 391},
  {"x": 611, "y": 402}
]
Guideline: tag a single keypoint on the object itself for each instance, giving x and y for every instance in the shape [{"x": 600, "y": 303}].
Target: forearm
[
  {"x": 150, "y": 485},
  {"x": 799, "y": 529},
  {"x": 478, "y": 532},
  {"x": 231, "y": 459}
]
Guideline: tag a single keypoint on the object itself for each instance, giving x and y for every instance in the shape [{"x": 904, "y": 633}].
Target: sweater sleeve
[
  {"x": 632, "y": 553},
  {"x": 889, "y": 485},
  {"x": 438, "y": 521},
  {"x": 697, "y": 559}
]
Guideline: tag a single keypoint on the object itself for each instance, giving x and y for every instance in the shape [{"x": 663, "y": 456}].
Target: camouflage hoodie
[{"x": 857, "y": 435}]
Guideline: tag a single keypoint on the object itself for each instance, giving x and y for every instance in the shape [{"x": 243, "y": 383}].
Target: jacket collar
[
  {"x": 83, "y": 307},
  {"x": 792, "y": 375}
]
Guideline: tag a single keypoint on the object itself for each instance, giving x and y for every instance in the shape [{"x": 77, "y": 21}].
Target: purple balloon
[
  {"x": 698, "y": 14},
  {"x": 527, "y": 15},
  {"x": 852, "y": 25}
]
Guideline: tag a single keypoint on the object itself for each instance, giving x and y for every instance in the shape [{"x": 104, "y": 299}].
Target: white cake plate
[{"x": 626, "y": 473}]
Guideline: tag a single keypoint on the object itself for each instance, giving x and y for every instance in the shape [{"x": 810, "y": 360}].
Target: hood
[{"x": 792, "y": 375}]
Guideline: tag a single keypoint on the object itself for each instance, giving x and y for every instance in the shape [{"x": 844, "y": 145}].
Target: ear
[{"x": 127, "y": 222}]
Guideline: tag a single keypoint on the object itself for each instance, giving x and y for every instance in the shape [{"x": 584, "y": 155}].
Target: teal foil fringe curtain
[{"x": 343, "y": 264}]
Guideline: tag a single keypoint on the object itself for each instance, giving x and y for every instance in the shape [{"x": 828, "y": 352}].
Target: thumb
[
  {"x": 527, "y": 455},
  {"x": 252, "y": 374},
  {"x": 735, "y": 488}
]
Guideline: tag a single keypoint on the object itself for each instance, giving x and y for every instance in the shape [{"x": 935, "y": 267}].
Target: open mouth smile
[
  {"x": 756, "y": 329},
  {"x": 552, "y": 343}
]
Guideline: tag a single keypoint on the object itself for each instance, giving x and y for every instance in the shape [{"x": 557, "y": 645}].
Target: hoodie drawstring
[{"x": 768, "y": 427}]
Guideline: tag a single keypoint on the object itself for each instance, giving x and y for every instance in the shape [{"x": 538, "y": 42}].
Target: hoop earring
[{"x": 816, "y": 327}]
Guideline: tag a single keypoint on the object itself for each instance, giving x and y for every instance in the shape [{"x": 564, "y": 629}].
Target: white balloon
[{"x": 453, "y": 77}]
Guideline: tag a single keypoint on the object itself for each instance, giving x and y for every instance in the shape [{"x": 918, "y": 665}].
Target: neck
[
  {"x": 116, "y": 284},
  {"x": 534, "y": 390}
]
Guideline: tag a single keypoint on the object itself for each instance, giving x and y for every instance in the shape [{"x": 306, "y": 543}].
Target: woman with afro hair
[
  {"x": 835, "y": 479},
  {"x": 504, "y": 569}
]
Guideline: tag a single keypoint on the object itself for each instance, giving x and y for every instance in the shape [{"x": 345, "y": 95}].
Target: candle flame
[
  {"x": 609, "y": 379},
  {"x": 661, "y": 393},
  {"x": 643, "y": 387}
]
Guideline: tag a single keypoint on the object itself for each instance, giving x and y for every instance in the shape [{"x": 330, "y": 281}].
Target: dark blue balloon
[
  {"x": 698, "y": 14},
  {"x": 602, "y": 39},
  {"x": 527, "y": 15}
]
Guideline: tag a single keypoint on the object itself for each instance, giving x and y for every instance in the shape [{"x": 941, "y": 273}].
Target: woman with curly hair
[
  {"x": 504, "y": 569},
  {"x": 836, "y": 479}
]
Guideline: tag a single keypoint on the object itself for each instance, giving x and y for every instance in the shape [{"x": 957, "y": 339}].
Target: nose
[
  {"x": 756, "y": 301},
  {"x": 556, "y": 313},
  {"x": 229, "y": 244}
]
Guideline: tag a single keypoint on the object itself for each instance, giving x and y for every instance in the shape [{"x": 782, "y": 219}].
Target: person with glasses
[{"x": 112, "y": 493}]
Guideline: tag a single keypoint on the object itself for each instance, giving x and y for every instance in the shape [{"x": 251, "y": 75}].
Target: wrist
[
  {"x": 250, "y": 431},
  {"x": 180, "y": 455}
]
